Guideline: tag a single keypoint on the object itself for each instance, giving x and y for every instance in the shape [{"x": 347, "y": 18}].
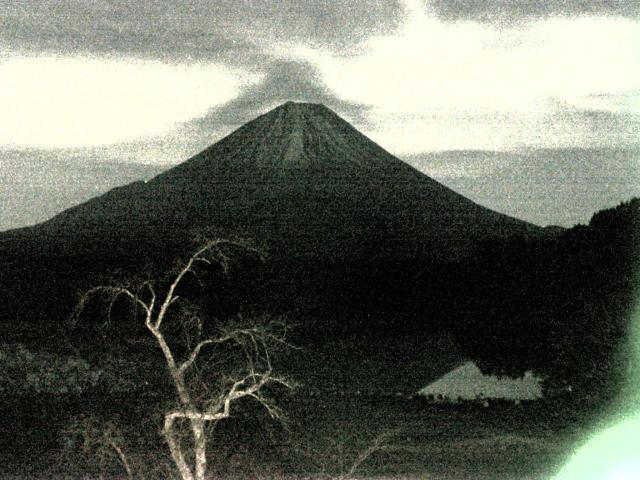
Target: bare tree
[
  {"x": 100, "y": 440},
  {"x": 378, "y": 444},
  {"x": 197, "y": 405},
  {"x": 334, "y": 462}
]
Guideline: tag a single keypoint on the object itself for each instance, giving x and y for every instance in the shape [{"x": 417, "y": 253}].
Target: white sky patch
[
  {"x": 492, "y": 84},
  {"x": 56, "y": 102}
]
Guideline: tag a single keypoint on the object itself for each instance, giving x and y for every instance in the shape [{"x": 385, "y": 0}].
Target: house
[{"x": 467, "y": 382}]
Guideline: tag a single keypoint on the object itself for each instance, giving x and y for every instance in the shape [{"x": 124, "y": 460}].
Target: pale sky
[
  {"x": 423, "y": 82},
  {"x": 156, "y": 81}
]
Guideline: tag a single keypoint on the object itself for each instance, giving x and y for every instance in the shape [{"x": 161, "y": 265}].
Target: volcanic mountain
[
  {"x": 318, "y": 196},
  {"x": 298, "y": 178}
]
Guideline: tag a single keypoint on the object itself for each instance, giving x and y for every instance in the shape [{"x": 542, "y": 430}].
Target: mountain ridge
[{"x": 296, "y": 136}]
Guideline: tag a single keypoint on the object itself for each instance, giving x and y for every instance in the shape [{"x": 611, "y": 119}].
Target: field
[{"x": 323, "y": 437}]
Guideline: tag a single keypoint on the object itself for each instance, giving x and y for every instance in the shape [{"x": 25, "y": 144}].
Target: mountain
[
  {"x": 392, "y": 277},
  {"x": 348, "y": 228},
  {"x": 297, "y": 179}
]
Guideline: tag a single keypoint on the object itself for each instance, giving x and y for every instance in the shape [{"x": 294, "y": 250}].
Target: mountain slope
[{"x": 65, "y": 178}]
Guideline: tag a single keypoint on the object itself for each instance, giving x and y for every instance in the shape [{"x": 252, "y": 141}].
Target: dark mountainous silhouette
[
  {"x": 297, "y": 179},
  {"x": 336, "y": 213},
  {"x": 391, "y": 279}
]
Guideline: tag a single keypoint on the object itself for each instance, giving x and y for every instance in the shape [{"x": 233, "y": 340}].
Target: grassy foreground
[{"x": 323, "y": 437}]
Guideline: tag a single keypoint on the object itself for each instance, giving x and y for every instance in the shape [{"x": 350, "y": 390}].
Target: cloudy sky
[{"x": 513, "y": 103}]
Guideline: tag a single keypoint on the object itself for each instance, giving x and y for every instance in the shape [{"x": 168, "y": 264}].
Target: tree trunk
[
  {"x": 123, "y": 458},
  {"x": 200, "y": 447},
  {"x": 176, "y": 450}
]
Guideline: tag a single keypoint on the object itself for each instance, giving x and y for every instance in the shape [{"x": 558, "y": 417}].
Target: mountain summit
[{"x": 298, "y": 136}]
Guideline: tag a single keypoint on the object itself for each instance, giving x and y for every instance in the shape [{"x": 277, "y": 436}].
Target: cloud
[
  {"x": 599, "y": 127},
  {"x": 285, "y": 80},
  {"x": 409, "y": 134},
  {"x": 37, "y": 184},
  {"x": 139, "y": 69},
  {"x": 510, "y": 11},
  {"x": 64, "y": 102},
  {"x": 400, "y": 73},
  {"x": 232, "y": 30},
  {"x": 562, "y": 186},
  {"x": 432, "y": 65},
  {"x": 282, "y": 80},
  {"x": 457, "y": 164},
  {"x": 437, "y": 85}
]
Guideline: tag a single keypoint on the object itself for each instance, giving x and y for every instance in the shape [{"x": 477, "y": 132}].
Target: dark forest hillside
[{"x": 560, "y": 305}]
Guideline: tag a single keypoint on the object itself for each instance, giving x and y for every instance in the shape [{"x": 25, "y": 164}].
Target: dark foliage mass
[{"x": 560, "y": 305}]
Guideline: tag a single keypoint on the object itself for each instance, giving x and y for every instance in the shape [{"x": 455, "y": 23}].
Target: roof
[{"x": 468, "y": 382}]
